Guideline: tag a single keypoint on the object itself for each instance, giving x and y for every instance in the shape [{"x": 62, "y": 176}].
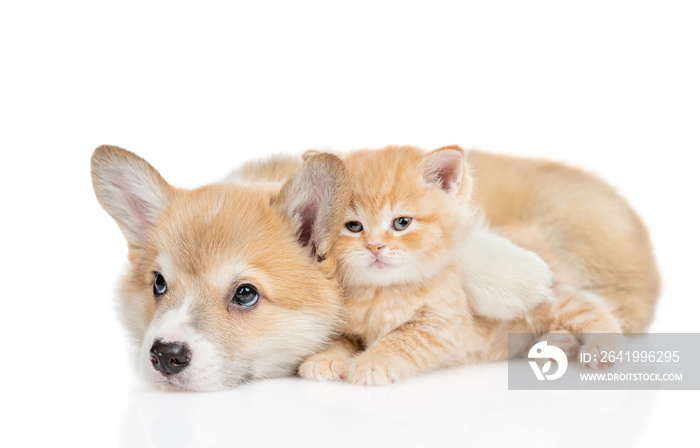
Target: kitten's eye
[
  {"x": 402, "y": 222},
  {"x": 354, "y": 226},
  {"x": 159, "y": 285},
  {"x": 246, "y": 296}
]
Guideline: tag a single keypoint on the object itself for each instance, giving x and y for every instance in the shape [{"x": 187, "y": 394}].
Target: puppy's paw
[
  {"x": 371, "y": 371},
  {"x": 602, "y": 349},
  {"x": 505, "y": 281},
  {"x": 566, "y": 341},
  {"x": 323, "y": 367}
]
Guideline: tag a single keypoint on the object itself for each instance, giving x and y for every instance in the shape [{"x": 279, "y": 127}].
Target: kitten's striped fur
[{"x": 605, "y": 278}]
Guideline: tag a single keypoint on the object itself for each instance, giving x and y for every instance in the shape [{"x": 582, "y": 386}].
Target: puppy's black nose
[{"x": 169, "y": 357}]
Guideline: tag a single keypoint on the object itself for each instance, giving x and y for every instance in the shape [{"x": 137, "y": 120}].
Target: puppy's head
[{"x": 226, "y": 282}]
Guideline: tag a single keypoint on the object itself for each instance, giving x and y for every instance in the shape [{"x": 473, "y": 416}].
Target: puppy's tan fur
[
  {"x": 593, "y": 240},
  {"x": 209, "y": 240},
  {"x": 605, "y": 274}
]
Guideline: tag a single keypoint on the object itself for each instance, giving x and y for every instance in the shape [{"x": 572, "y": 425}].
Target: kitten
[
  {"x": 604, "y": 275},
  {"x": 403, "y": 271}
]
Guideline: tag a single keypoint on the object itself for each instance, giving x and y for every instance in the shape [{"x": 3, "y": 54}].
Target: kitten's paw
[
  {"x": 600, "y": 347},
  {"x": 370, "y": 371},
  {"x": 323, "y": 367}
]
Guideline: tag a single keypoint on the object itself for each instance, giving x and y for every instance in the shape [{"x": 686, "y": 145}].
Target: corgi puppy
[
  {"x": 225, "y": 283},
  {"x": 233, "y": 282}
]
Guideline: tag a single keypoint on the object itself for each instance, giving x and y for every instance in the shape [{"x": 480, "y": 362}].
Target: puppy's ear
[
  {"x": 129, "y": 189},
  {"x": 445, "y": 167},
  {"x": 314, "y": 200},
  {"x": 309, "y": 153}
]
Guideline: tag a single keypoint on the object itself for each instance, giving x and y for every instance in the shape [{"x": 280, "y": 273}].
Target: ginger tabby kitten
[
  {"x": 399, "y": 268},
  {"x": 408, "y": 304}
]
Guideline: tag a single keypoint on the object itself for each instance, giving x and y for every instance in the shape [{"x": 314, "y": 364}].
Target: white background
[{"x": 196, "y": 88}]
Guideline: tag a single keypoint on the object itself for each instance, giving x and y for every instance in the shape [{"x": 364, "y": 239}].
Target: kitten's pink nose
[{"x": 375, "y": 248}]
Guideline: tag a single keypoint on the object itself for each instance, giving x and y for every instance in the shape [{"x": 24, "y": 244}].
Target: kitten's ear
[
  {"x": 309, "y": 153},
  {"x": 314, "y": 200},
  {"x": 129, "y": 189},
  {"x": 445, "y": 167}
]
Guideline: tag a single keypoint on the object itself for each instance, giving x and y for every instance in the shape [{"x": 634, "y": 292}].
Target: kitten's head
[{"x": 406, "y": 210}]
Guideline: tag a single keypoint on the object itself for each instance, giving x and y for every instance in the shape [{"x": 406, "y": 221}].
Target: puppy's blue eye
[
  {"x": 354, "y": 226},
  {"x": 246, "y": 296},
  {"x": 159, "y": 285},
  {"x": 402, "y": 222}
]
